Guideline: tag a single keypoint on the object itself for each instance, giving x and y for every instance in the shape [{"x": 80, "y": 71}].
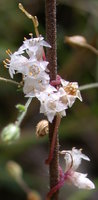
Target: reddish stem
[
  {"x": 61, "y": 173},
  {"x": 63, "y": 178},
  {"x": 55, "y": 189}
]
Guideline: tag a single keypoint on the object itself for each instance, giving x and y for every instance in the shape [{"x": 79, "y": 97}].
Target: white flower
[
  {"x": 80, "y": 181},
  {"x": 17, "y": 63},
  {"x": 27, "y": 67},
  {"x": 72, "y": 91},
  {"x": 28, "y": 60},
  {"x": 33, "y": 86},
  {"x": 34, "y": 47},
  {"x": 36, "y": 68},
  {"x": 51, "y": 104},
  {"x": 73, "y": 160}
]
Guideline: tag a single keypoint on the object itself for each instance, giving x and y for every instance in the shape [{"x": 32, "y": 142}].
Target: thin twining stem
[
  {"x": 88, "y": 86},
  {"x": 33, "y": 18},
  {"x": 9, "y": 81},
  {"x": 21, "y": 117}
]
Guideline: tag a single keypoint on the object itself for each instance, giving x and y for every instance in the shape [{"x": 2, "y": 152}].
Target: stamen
[
  {"x": 40, "y": 81},
  {"x": 31, "y": 35},
  {"x": 4, "y": 62},
  {"x": 30, "y": 73},
  {"x": 8, "y": 52},
  {"x": 7, "y": 60},
  {"x": 70, "y": 89},
  {"x": 5, "y": 66},
  {"x": 25, "y": 38}
]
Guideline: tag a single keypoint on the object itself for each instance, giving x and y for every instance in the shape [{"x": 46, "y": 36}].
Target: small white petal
[
  {"x": 80, "y": 181},
  {"x": 73, "y": 158},
  {"x": 33, "y": 87},
  {"x": 45, "y": 44},
  {"x": 64, "y": 83}
]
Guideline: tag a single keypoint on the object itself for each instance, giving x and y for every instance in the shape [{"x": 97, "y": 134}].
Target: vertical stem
[
  {"x": 51, "y": 37},
  {"x": 52, "y": 58},
  {"x": 53, "y": 166}
]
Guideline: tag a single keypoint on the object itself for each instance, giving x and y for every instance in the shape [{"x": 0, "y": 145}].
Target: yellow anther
[
  {"x": 25, "y": 38},
  {"x": 9, "y": 51},
  {"x": 40, "y": 81},
  {"x": 4, "y": 62},
  {"x": 31, "y": 35},
  {"x": 30, "y": 73},
  {"x": 7, "y": 60}
]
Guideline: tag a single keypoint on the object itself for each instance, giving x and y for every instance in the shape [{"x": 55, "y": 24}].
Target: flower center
[{"x": 69, "y": 89}]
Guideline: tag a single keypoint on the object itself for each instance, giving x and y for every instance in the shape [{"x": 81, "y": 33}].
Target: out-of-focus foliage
[{"x": 80, "y": 127}]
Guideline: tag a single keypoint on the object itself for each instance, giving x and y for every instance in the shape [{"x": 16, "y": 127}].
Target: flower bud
[
  {"x": 42, "y": 128},
  {"x": 10, "y": 133},
  {"x": 14, "y": 169},
  {"x": 33, "y": 195},
  {"x": 77, "y": 40},
  {"x": 21, "y": 107}
]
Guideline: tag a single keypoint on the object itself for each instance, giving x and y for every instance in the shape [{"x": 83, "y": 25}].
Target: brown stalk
[{"x": 52, "y": 58}]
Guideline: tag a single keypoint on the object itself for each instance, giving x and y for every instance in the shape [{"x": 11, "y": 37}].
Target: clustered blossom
[
  {"x": 30, "y": 61},
  {"x": 72, "y": 159}
]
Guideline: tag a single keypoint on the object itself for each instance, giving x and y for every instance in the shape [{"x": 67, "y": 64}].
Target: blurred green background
[{"x": 80, "y": 127}]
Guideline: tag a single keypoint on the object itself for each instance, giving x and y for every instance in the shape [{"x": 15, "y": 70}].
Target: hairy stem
[
  {"x": 88, "y": 86},
  {"x": 58, "y": 120},
  {"x": 8, "y": 81},
  {"x": 51, "y": 37},
  {"x": 52, "y": 58}
]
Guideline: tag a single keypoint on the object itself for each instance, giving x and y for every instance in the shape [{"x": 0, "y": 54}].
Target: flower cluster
[
  {"x": 30, "y": 61},
  {"x": 73, "y": 159}
]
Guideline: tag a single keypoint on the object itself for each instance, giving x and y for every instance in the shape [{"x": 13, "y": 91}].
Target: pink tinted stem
[{"x": 55, "y": 189}]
